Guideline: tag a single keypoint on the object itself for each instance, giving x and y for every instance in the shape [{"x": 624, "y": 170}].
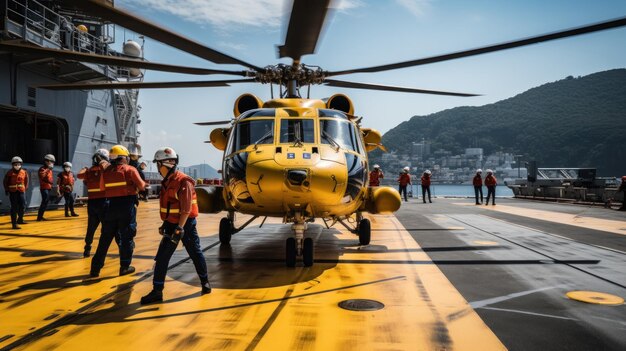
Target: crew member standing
[
  {"x": 490, "y": 183},
  {"x": 179, "y": 210},
  {"x": 15, "y": 186},
  {"x": 46, "y": 180},
  {"x": 96, "y": 197},
  {"x": 376, "y": 175},
  {"x": 65, "y": 181},
  {"x": 121, "y": 183},
  {"x": 143, "y": 195},
  {"x": 622, "y": 188},
  {"x": 425, "y": 180},
  {"x": 478, "y": 186},
  {"x": 404, "y": 180}
]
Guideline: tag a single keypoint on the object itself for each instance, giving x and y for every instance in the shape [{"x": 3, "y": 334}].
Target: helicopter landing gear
[
  {"x": 227, "y": 228},
  {"x": 299, "y": 246},
  {"x": 365, "y": 232}
]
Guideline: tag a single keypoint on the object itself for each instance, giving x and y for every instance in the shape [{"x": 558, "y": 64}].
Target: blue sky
[{"x": 365, "y": 33}]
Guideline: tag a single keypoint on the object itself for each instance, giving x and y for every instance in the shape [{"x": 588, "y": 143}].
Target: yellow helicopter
[{"x": 290, "y": 157}]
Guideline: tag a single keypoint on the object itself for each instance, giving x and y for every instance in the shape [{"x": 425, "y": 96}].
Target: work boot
[
  {"x": 127, "y": 270},
  {"x": 15, "y": 226},
  {"x": 67, "y": 214},
  {"x": 74, "y": 214},
  {"x": 21, "y": 221},
  {"x": 94, "y": 274},
  {"x": 152, "y": 297},
  {"x": 87, "y": 251},
  {"x": 40, "y": 219},
  {"x": 206, "y": 288}
]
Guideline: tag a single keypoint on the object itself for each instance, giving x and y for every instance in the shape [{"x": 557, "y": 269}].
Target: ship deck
[{"x": 451, "y": 276}]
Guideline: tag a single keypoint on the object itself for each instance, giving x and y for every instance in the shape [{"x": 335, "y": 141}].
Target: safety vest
[
  {"x": 404, "y": 179},
  {"x": 490, "y": 180},
  {"x": 17, "y": 181},
  {"x": 67, "y": 179},
  {"x": 425, "y": 181},
  {"x": 45, "y": 178},
  {"x": 477, "y": 181},
  {"x": 375, "y": 177},
  {"x": 118, "y": 182},
  {"x": 94, "y": 181},
  {"x": 168, "y": 197}
]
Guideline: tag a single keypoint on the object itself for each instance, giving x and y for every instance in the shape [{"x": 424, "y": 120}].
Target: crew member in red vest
[
  {"x": 15, "y": 185},
  {"x": 425, "y": 181},
  {"x": 491, "y": 182},
  {"x": 478, "y": 185},
  {"x": 121, "y": 183},
  {"x": 376, "y": 175},
  {"x": 46, "y": 180},
  {"x": 404, "y": 180},
  {"x": 96, "y": 197},
  {"x": 65, "y": 181},
  {"x": 179, "y": 209}
]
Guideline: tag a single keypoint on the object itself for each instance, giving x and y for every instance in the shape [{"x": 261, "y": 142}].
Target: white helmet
[
  {"x": 17, "y": 159},
  {"x": 67, "y": 164},
  {"x": 50, "y": 157},
  {"x": 406, "y": 168},
  {"x": 428, "y": 172},
  {"x": 376, "y": 166},
  {"x": 135, "y": 150},
  {"x": 489, "y": 171},
  {"x": 103, "y": 153},
  {"x": 479, "y": 170},
  {"x": 165, "y": 153}
]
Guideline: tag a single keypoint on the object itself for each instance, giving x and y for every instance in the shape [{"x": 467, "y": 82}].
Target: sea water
[{"x": 460, "y": 190}]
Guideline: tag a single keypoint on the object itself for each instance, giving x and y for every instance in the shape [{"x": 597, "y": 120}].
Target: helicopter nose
[{"x": 296, "y": 176}]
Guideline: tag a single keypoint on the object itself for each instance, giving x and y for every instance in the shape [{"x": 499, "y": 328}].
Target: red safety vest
[
  {"x": 425, "y": 180},
  {"x": 168, "y": 197},
  {"x": 404, "y": 179},
  {"x": 17, "y": 182},
  {"x": 490, "y": 180},
  {"x": 45, "y": 178},
  {"x": 95, "y": 183},
  {"x": 118, "y": 181},
  {"x": 477, "y": 181},
  {"x": 375, "y": 177},
  {"x": 67, "y": 179}
]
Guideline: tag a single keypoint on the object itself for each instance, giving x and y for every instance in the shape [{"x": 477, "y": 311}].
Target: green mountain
[{"x": 574, "y": 122}]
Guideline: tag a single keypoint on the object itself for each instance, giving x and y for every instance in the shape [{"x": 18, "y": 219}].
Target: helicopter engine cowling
[
  {"x": 210, "y": 198},
  {"x": 372, "y": 139},
  {"x": 382, "y": 199},
  {"x": 341, "y": 103},
  {"x": 219, "y": 138},
  {"x": 246, "y": 102}
]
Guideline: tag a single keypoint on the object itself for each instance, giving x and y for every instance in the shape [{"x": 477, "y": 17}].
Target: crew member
[
  {"x": 404, "y": 180},
  {"x": 491, "y": 182},
  {"x": 15, "y": 186},
  {"x": 478, "y": 186},
  {"x": 46, "y": 180},
  {"x": 121, "y": 183},
  {"x": 96, "y": 197},
  {"x": 143, "y": 195},
  {"x": 425, "y": 180},
  {"x": 376, "y": 175},
  {"x": 622, "y": 188},
  {"x": 179, "y": 210},
  {"x": 65, "y": 181}
]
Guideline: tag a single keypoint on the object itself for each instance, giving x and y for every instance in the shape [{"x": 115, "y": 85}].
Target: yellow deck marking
[
  {"x": 254, "y": 302},
  {"x": 595, "y": 297},
  {"x": 605, "y": 225}
]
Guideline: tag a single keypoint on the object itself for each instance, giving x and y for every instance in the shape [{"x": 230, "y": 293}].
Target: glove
[{"x": 178, "y": 233}]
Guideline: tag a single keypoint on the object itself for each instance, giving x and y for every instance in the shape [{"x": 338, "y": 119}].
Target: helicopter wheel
[
  {"x": 226, "y": 230},
  {"x": 290, "y": 252},
  {"x": 307, "y": 252},
  {"x": 365, "y": 232}
]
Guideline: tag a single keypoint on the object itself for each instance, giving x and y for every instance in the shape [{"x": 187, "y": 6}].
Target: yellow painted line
[
  {"x": 483, "y": 242},
  {"x": 606, "y": 225},
  {"x": 595, "y": 297},
  {"x": 258, "y": 303}
]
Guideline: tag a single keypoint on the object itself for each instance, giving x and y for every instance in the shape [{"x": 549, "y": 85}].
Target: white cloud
[{"x": 416, "y": 7}]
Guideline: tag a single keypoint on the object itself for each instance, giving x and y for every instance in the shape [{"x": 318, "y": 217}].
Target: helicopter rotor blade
[
  {"x": 214, "y": 123},
  {"x": 305, "y": 26},
  {"x": 109, "y": 60},
  {"x": 144, "y": 85},
  {"x": 99, "y": 8},
  {"x": 345, "y": 84},
  {"x": 615, "y": 23}
]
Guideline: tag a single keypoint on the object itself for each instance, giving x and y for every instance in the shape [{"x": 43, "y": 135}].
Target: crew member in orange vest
[
  {"x": 15, "y": 185},
  {"x": 179, "y": 209},
  {"x": 121, "y": 183},
  {"x": 478, "y": 186},
  {"x": 425, "y": 181},
  {"x": 404, "y": 180},
  {"x": 65, "y": 181},
  {"x": 96, "y": 197},
  {"x": 376, "y": 175},
  {"x": 46, "y": 180},
  {"x": 491, "y": 182}
]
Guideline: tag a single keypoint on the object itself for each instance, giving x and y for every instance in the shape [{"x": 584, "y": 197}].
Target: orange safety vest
[
  {"x": 94, "y": 181},
  {"x": 17, "y": 181},
  {"x": 118, "y": 182},
  {"x": 425, "y": 180},
  {"x": 490, "y": 180},
  {"x": 477, "y": 181},
  {"x": 45, "y": 178},
  {"x": 375, "y": 177},
  {"x": 168, "y": 197},
  {"x": 67, "y": 179}
]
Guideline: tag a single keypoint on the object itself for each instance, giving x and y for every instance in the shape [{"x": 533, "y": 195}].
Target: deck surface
[{"x": 451, "y": 276}]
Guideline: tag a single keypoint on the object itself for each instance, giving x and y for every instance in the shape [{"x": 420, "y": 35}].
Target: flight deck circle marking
[
  {"x": 595, "y": 297},
  {"x": 361, "y": 305}
]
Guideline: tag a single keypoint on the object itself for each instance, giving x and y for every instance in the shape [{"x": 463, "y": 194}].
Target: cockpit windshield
[
  {"x": 342, "y": 133},
  {"x": 297, "y": 131},
  {"x": 253, "y": 132}
]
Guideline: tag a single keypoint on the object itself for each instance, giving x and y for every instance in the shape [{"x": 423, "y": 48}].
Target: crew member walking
[
  {"x": 404, "y": 180},
  {"x": 376, "y": 175},
  {"x": 491, "y": 182},
  {"x": 46, "y": 180},
  {"x": 96, "y": 197},
  {"x": 65, "y": 181},
  {"x": 478, "y": 186},
  {"x": 15, "y": 186},
  {"x": 425, "y": 180},
  {"x": 179, "y": 210},
  {"x": 121, "y": 182}
]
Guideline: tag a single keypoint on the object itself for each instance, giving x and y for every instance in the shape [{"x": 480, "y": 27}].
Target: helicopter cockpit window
[
  {"x": 261, "y": 112},
  {"x": 339, "y": 133},
  {"x": 297, "y": 130},
  {"x": 331, "y": 113},
  {"x": 253, "y": 132}
]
